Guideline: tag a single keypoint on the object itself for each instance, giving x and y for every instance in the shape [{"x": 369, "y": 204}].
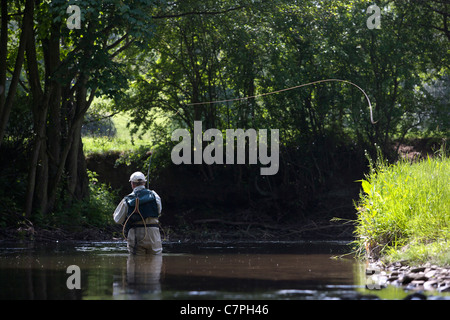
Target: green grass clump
[{"x": 404, "y": 211}]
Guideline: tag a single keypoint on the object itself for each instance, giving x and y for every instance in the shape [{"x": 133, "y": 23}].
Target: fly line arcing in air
[{"x": 291, "y": 88}]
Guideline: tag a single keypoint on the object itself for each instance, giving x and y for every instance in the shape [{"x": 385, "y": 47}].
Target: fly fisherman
[{"x": 139, "y": 212}]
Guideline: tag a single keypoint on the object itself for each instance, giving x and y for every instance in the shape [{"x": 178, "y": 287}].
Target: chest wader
[
  {"x": 142, "y": 202},
  {"x": 127, "y": 226}
]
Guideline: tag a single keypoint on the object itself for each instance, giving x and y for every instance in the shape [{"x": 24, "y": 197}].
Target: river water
[{"x": 251, "y": 270}]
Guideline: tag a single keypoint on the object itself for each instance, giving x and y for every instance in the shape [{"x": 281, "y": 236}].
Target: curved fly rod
[
  {"x": 148, "y": 170},
  {"x": 292, "y": 88}
]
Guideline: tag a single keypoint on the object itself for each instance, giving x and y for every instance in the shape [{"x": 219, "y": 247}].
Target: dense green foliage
[
  {"x": 404, "y": 211},
  {"x": 61, "y": 71},
  {"x": 262, "y": 48},
  {"x": 150, "y": 59}
]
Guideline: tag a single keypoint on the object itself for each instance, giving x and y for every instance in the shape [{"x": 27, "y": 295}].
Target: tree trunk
[
  {"x": 74, "y": 177},
  {"x": 3, "y": 51},
  {"x": 27, "y": 28},
  {"x": 38, "y": 154},
  {"x": 82, "y": 187},
  {"x": 39, "y": 110}
]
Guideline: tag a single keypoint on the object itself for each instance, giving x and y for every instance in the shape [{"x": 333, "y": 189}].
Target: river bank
[
  {"x": 425, "y": 277},
  {"x": 403, "y": 224},
  {"x": 404, "y": 213},
  {"x": 199, "y": 230}
]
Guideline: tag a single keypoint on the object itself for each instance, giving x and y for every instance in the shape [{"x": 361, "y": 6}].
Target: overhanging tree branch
[{"x": 191, "y": 13}]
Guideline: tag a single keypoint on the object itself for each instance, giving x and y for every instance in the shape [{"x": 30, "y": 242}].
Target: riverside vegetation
[
  {"x": 151, "y": 64},
  {"x": 404, "y": 212},
  {"x": 403, "y": 224}
]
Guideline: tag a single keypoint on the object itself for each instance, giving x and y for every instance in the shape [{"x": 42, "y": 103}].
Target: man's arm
[
  {"x": 121, "y": 212},
  {"x": 158, "y": 202}
]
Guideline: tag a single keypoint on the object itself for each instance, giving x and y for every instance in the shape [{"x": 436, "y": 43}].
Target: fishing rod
[
  {"x": 292, "y": 88},
  {"x": 150, "y": 152}
]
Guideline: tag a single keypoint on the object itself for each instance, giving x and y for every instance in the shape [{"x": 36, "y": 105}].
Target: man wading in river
[{"x": 139, "y": 212}]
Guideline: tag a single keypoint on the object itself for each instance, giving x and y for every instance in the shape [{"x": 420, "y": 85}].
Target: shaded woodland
[{"x": 152, "y": 58}]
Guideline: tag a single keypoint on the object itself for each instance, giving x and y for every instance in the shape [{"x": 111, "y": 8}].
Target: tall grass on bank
[
  {"x": 122, "y": 141},
  {"x": 404, "y": 211}
]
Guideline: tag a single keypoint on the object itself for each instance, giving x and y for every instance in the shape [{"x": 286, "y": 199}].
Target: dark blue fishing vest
[{"x": 147, "y": 205}]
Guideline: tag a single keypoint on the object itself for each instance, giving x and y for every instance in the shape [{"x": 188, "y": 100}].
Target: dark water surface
[{"x": 257, "y": 270}]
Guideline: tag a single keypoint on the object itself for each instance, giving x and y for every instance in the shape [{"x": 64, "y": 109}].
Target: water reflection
[
  {"x": 217, "y": 271},
  {"x": 142, "y": 278}
]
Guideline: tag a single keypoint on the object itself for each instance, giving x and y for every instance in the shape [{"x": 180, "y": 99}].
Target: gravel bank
[{"x": 426, "y": 277}]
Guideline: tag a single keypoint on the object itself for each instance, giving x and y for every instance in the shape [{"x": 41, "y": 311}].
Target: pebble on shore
[{"x": 427, "y": 277}]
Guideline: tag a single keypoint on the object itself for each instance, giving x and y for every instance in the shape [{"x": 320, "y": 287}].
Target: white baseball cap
[{"x": 137, "y": 177}]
